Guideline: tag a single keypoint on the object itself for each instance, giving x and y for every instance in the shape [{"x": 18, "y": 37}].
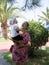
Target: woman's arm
[
  {"x": 28, "y": 39},
  {"x": 28, "y": 44}
]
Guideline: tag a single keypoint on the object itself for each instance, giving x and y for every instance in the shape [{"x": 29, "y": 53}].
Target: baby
[{"x": 15, "y": 36}]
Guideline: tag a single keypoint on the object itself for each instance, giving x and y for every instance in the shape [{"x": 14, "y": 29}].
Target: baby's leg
[{"x": 21, "y": 43}]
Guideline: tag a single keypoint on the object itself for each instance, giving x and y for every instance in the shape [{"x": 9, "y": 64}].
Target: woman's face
[{"x": 24, "y": 26}]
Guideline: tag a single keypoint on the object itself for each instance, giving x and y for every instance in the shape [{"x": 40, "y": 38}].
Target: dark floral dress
[{"x": 22, "y": 53}]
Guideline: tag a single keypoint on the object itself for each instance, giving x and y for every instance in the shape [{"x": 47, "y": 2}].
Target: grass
[
  {"x": 8, "y": 57},
  {"x": 4, "y": 40},
  {"x": 42, "y": 57}
]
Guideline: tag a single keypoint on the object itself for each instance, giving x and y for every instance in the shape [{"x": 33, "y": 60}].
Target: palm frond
[
  {"x": 44, "y": 18},
  {"x": 5, "y": 7},
  {"x": 1, "y": 10},
  {"x": 31, "y": 3},
  {"x": 46, "y": 15},
  {"x": 7, "y": 12}
]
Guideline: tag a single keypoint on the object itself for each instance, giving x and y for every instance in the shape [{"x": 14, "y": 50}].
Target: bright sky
[{"x": 33, "y": 14}]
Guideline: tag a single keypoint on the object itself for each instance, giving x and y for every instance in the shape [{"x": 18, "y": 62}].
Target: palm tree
[
  {"x": 5, "y": 13},
  {"x": 46, "y": 15},
  {"x": 28, "y": 3}
]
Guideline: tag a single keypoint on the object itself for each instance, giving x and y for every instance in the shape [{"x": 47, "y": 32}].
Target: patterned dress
[{"x": 22, "y": 53}]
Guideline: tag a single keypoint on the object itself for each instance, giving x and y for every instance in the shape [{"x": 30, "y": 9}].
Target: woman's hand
[{"x": 28, "y": 44}]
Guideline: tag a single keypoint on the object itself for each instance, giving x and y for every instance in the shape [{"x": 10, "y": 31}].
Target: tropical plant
[
  {"x": 45, "y": 15},
  {"x": 39, "y": 36},
  {"x": 5, "y": 13},
  {"x": 28, "y": 3}
]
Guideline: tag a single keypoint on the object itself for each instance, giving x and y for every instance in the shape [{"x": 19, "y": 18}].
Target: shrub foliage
[{"x": 39, "y": 35}]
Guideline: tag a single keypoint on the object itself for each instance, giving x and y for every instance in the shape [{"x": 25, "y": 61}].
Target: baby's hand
[{"x": 20, "y": 32}]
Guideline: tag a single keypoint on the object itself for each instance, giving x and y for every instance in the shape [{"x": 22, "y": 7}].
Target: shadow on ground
[{"x": 41, "y": 57}]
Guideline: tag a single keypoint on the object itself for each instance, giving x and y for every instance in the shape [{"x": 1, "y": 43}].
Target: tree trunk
[
  {"x": 48, "y": 39},
  {"x": 4, "y": 29}
]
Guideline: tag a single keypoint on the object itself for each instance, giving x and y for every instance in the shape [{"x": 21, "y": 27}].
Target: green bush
[{"x": 39, "y": 35}]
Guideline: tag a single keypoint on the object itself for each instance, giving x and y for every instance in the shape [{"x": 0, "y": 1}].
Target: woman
[{"x": 20, "y": 57}]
